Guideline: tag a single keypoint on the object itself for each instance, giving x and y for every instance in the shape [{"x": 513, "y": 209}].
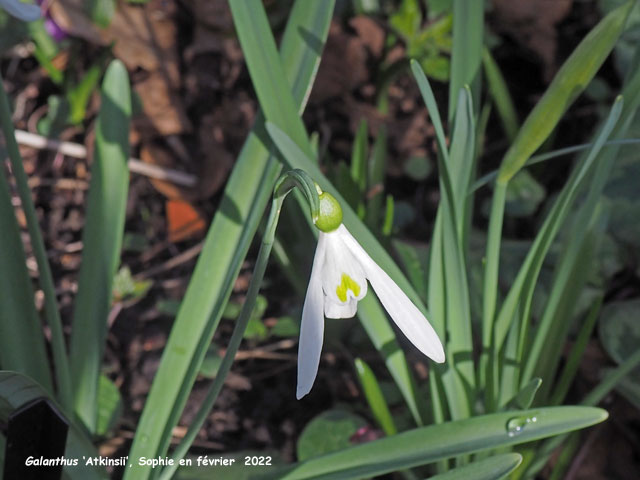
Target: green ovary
[{"x": 347, "y": 283}]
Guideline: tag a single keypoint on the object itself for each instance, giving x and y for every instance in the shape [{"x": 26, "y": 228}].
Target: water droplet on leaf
[{"x": 516, "y": 425}]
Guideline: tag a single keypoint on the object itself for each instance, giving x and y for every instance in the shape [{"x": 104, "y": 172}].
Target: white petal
[
  {"x": 340, "y": 310},
  {"x": 24, "y": 11},
  {"x": 312, "y": 326},
  {"x": 403, "y": 312},
  {"x": 342, "y": 270}
]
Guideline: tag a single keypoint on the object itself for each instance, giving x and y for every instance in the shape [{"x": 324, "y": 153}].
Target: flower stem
[{"x": 289, "y": 180}]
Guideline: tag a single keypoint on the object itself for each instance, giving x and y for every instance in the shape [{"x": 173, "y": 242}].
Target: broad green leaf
[
  {"x": 375, "y": 398},
  {"x": 102, "y": 240},
  {"x": 17, "y": 390},
  {"x": 492, "y": 468},
  {"x": 328, "y": 432},
  {"x": 245, "y": 197},
  {"x": 572, "y": 78},
  {"x": 426, "y": 445},
  {"x": 109, "y": 405}
]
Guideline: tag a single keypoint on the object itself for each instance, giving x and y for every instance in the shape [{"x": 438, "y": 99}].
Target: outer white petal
[
  {"x": 27, "y": 12},
  {"x": 312, "y": 326},
  {"x": 402, "y": 311}
]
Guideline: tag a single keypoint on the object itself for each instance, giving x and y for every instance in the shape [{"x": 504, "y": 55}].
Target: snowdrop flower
[
  {"x": 339, "y": 277},
  {"x": 26, "y": 12}
]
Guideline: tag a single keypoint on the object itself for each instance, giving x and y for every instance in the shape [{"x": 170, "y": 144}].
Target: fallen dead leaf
[
  {"x": 144, "y": 37},
  {"x": 183, "y": 221},
  {"x": 533, "y": 24},
  {"x": 334, "y": 78}
]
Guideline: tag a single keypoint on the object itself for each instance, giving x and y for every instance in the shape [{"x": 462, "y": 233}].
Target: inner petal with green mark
[{"x": 347, "y": 283}]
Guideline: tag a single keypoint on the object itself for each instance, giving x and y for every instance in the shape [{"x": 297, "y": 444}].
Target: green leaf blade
[{"x": 102, "y": 240}]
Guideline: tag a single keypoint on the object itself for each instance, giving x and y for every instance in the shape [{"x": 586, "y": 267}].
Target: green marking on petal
[{"x": 347, "y": 283}]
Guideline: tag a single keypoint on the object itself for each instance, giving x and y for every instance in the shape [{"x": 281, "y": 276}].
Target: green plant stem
[
  {"x": 245, "y": 314},
  {"x": 488, "y": 360},
  {"x": 61, "y": 361}
]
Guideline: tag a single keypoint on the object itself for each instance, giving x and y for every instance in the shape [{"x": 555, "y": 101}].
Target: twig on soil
[
  {"x": 77, "y": 150},
  {"x": 171, "y": 263}
]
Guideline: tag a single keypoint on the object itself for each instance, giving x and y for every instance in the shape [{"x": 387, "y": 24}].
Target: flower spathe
[{"x": 341, "y": 269}]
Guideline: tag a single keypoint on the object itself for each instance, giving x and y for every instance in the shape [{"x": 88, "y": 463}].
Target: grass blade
[
  {"x": 375, "y": 399},
  {"x": 102, "y": 240}
]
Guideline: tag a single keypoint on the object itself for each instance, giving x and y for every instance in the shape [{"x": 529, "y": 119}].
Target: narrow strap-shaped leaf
[
  {"x": 500, "y": 95},
  {"x": 522, "y": 289},
  {"x": 449, "y": 274},
  {"x": 492, "y": 468},
  {"x": 426, "y": 445},
  {"x": 102, "y": 240},
  {"x": 375, "y": 399},
  {"x": 30, "y": 321},
  {"x": 524, "y": 398},
  {"x": 21, "y": 340},
  {"x": 466, "y": 54}
]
